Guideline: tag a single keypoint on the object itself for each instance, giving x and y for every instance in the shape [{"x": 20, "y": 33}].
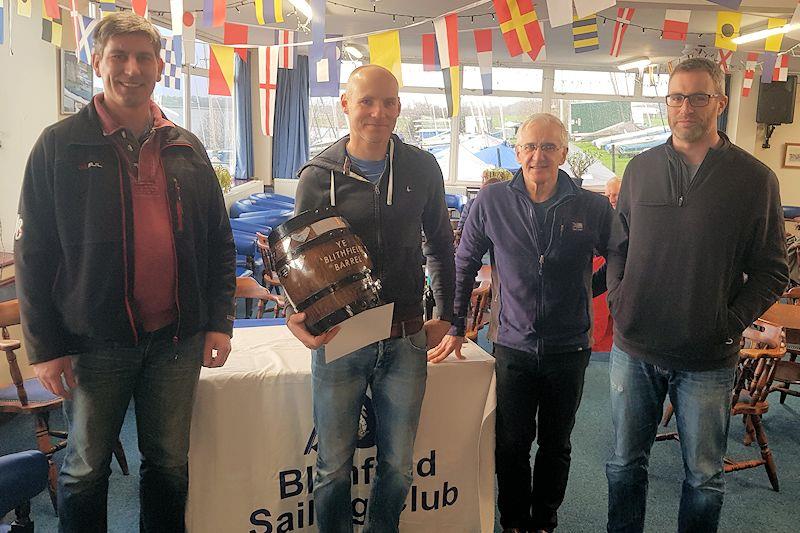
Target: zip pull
[
  {"x": 680, "y": 201},
  {"x": 541, "y": 264},
  {"x": 178, "y": 204},
  {"x": 561, "y": 231},
  {"x": 377, "y": 190}
]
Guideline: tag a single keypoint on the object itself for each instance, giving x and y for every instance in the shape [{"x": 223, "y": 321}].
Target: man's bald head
[{"x": 367, "y": 74}]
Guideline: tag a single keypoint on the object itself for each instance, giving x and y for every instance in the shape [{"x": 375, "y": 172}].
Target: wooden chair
[
  {"x": 247, "y": 287},
  {"x": 278, "y": 307},
  {"x": 755, "y": 373},
  {"x": 785, "y": 375},
  {"x": 478, "y": 315},
  {"x": 27, "y": 396}
]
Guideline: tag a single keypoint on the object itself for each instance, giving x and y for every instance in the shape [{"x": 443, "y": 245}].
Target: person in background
[
  {"x": 126, "y": 275},
  {"x": 389, "y": 192},
  {"x": 697, "y": 256},
  {"x": 488, "y": 176},
  {"x": 611, "y": 190},
  {"x": 542, "y": 231}
]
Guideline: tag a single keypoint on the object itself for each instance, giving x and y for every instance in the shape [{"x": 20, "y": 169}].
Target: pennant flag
[
  {"x": 584, "y": 34},
  {"x": 267, "y": 85},
  {"x": 189, "y": 32},
  {"x": 584, "y": 8},
  {"x": 559, "y": 13},
  {"x": 520, "y": 27},
  {"x": 140, "y": 7},
  {"x": 51, "y": 9},
  {"x": 796, "y": 15},
  {"x": 624, "y": 16},
  {"x": 430, "y": 53},
  {"x": 676, "y": 24},
  {"x": 236, "y": 34},
  {"x": 220, "y": 71},
  {"x": 749, "y": 73},
  {"x": 24, "y": 8},
  {"x": 483, "y": 46},
  {"x": 728, "y": 24},
  {"x": 541, "y": 55},
  {"x": 723, "y": 56},
  {"x": 213, "y": 13},
  {"x": 446, "y": 29},
  {"x": 781, "y": 70},
  {"x": 287, "y": 53},
  {"x": 773, "y": 42},
  {"x": 107, "y": 7},
  {"x": 273, "y": 14},
  {"x": 52, "y": 28},
  {"x": 176, "y": 16},
  {"x": 324, "y": 79},
  {"x": 384, "y": 50},
  {"x": 172, "y": 54},
  {"x": 730, "y": 4},
  {"x": 84, "y": 40},
  {"x": 768, "y": 65},
  {"x": 315, "y": 51},
  {"x": 2, "y": 18}
]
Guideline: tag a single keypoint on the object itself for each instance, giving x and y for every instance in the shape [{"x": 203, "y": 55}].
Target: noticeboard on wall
[{"x": 76, "y": 82}]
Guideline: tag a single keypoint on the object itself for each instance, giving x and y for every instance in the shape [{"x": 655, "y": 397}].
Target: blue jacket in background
[{"x": 541, "y": 277}]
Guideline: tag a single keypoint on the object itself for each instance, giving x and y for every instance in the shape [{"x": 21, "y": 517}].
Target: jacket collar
[{"x": 518, "y": 184}]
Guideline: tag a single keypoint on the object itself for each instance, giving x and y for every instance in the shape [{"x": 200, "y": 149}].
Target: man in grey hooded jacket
[{"x": 389, "y": 192}]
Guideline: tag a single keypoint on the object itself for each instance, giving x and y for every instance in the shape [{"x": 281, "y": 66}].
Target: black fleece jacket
[
  {"x": 694, "y": 260},
  {"x": 390, "y": 217},
  {"x": 74, "y": 247}
]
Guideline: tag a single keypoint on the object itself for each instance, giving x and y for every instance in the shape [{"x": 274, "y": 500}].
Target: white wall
[{"x": 28, "y": 103}]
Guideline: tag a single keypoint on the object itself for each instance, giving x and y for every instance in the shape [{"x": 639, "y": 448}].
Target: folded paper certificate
[{"x": 361, "y": 330}]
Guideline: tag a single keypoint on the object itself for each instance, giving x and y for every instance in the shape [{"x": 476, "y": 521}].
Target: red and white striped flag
[
  {"x": 446, "y": 29},
  {"x": 267, "y": 85},
  {"x": 140, "y": 7},
  {"x": 430, "y": 55},
  {"x": 749, "y": 73},
  {"x": 287, "y": 53},
  {"x": 624, "y": 16},
  {"x": 781, "y": 70},
  {"x": 483, "y": 45},
  {"x": 676, "y": 24},
  {"x": 723, "y": 56}
]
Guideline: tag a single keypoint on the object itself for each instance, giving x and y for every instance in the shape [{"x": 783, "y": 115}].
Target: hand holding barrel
[{"x": 296, "y": 324}]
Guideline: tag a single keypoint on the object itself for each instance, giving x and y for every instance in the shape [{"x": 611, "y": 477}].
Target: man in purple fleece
[{"x": 541, "y": 231}]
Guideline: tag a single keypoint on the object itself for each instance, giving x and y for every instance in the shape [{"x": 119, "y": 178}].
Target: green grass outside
[{"x": 605, "y": 157}]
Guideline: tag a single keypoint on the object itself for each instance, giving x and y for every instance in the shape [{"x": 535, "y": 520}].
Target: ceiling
[{"x": 636, "y": 43}]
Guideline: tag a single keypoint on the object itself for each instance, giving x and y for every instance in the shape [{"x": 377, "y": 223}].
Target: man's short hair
[
  {"x": 551, "y": 120},
  {"x": 702, "y": 64},
  {"x": 613, "y": 181},
  {"x": 124, "y": 23}
]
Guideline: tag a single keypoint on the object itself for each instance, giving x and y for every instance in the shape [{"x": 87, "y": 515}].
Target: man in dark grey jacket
[
  {"x": 541, "y": 231},
  {"x": 698, "y": 256},
  {"x": 389, "y": 192}
]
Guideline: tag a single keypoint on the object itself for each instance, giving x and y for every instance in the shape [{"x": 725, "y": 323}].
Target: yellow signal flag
[
  {"x": 384, "y": 50},
  {"x": 728, "y": 27},
  {"x": 24, "y": 8},
  {"x": 773, "y": 42}
]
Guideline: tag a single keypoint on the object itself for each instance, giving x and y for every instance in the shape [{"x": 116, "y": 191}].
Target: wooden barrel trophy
[{"x": 323, "y": 267}]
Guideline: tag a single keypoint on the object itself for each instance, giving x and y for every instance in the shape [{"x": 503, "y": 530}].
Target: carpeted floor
[{"x": 750, "y": 504}]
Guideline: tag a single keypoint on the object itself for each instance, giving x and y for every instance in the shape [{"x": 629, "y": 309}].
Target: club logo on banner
[{"x": 297, "y": 484}]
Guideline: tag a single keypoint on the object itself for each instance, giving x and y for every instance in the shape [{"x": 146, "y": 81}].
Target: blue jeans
[
  {"x": 395, "y": 371},
  {"x": 702, "y": 411},
  {"x": 161, "y": 377}
]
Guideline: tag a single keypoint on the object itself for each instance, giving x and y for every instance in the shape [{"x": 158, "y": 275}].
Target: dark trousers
[{"x": 535, "y": 388}]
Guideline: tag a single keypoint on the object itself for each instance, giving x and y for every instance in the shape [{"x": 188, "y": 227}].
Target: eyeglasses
[
  {"x": 529, "y": 148},
  {"x": 695, "y": 100}
]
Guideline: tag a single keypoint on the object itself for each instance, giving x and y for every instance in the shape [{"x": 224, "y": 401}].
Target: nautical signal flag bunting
[{"x": 520, "y": 27}]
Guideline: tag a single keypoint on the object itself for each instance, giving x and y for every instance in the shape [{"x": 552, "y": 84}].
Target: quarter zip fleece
[{"x": 691, "y": 265}]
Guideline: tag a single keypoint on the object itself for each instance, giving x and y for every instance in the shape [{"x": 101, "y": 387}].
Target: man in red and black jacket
[{"x": 125, "y": 274}]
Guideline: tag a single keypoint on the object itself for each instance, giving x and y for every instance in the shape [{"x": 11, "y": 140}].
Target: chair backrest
[
  {"x": 9, "y": 316},
  {"x": 763, "y": 347}
]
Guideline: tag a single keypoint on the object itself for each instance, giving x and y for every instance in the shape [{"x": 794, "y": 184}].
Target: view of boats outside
[{"x": 611, "y": 127}]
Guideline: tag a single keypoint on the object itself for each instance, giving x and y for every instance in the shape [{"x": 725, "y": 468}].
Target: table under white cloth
[{"x": 253, "y": 443}]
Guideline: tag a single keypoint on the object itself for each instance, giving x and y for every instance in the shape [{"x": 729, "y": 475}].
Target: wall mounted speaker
[{"x": 776, "y": 102}]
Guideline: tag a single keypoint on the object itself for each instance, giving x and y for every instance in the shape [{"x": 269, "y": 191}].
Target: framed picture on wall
[
  {"x": 791, "y": 158},
  {"x": 75, "y": 83}
]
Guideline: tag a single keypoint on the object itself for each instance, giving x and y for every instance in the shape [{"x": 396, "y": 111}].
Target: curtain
[
  {"x": 290, "y": 138},
  {"x": 244, "y": 119}
]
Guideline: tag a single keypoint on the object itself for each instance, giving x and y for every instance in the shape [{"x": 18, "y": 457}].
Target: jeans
[
  {"x": 702, "y": 411},
  {"x": 535, "y": 388},
  {"x": 395, "y": 371},
  {"x": 161, "y": 377}
]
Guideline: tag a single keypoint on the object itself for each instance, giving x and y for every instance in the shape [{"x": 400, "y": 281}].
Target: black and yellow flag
[
  {"x": 51, "y": 30},
  {"x": 584, "y": 34}
]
